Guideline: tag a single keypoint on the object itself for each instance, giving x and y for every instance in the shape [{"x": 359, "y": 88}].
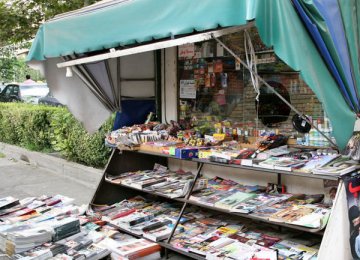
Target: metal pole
[
  {"x": 273, "y": 90},
  {"x": 185, "y": 203}
]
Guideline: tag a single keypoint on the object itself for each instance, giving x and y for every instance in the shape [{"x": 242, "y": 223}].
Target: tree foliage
[
  {"x": 20, "y": 19},
  {"x": 13, "y": 67}
]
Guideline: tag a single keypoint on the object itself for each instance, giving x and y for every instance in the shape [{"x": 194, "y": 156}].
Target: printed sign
[
  {"x": 187, "y": 89},
  {"x": 187, "y": 50}
]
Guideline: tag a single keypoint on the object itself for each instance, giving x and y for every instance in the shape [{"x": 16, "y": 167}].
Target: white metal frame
[{"x": 155, "y": 46}]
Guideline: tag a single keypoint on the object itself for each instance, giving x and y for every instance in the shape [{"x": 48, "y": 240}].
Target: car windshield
[{"x": 34, "y": 90}]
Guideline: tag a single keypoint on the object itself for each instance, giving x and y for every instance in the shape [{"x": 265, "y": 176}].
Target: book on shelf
[
  {"x": 268, "y": 163},
  {"x": 238, "y": 250},
  {"x": 255, "y": 237},
  {"x": 40, "y": 254},
  {"x": 118, "y": 213},
  {"x": 317, "y": 161},
  {"x": 233, "y": 200},
  {"x": 76, "y": 242},
  {"x": 24, "y": 240},
  {"x": 8, "y": 202},
  {"x": 5, "y": 212},
  {"x": 330, "y": 190},
  {"x": 308, "y": 215},
  {"x": 258, "y": 201},
  {"x": 35, "y": 204},
  {"x": 227, "y": 155},
  {"x": 316, "y": 219},
  {"x": 215, "y": 198},
  {"x": 214, "y": 237},
  {"x": 289, "y": 164},
  {"x": 337, "y": 170},
  {"x": 162, "y": 233},
  {"x": 93, "y": 252},
  {"x": 265, "y": 212},
  {"x": 178, "y": 187},
  {"x": 247, "y": 162},
  {"x": 22, "y": 218},
  {"x": 211, "y": 243},
  {"x": 26, "y": 201},
  {"x": 17, "y": 213},
  {"x": 156, "y": 224},
  {"x": 202, "y": 194},
  {"x": 65, "y": 228},
  {"x": 281, "y": 163},
  {"x": 137, "y": 248},
  {"x": 202, "y": 246},
  {"x": 154, "y": 256},
  {"x": 229, "y": 230},
  {"x": 146, "y": 183},
  {"x": 287, "y": 249},
  {"x": 281, "y": 150}
]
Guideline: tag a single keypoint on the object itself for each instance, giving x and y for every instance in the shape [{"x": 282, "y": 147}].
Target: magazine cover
[
  {"x": 352, "y": 186},
  {"x": 330, "y": 188}
]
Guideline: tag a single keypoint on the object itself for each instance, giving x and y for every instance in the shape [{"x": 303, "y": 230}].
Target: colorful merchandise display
[
  {"x": 247, "y": 211},
  {"x": 51, "y": 227},
  {"x": 270, "y": 150}
]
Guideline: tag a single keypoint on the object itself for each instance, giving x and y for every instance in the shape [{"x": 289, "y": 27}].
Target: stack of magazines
[
  {"x": 159, "y": 180},
  {"x": 52, "y": 227}
]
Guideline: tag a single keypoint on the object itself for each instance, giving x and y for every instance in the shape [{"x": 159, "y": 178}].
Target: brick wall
[{"x": 301, "y": 97}]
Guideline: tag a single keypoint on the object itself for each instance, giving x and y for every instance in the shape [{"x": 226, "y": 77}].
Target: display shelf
[
  {"x": 256, "y": 218},
  {"x": 257, "y": 169},
  {"x": 160, "y": 154},
  {"x": 162, "y": 244},
  {"x": 109, "y": 192},
  {"x": 148, "y": 192},
  {"x": 243, "y": 215},
  {"x": 270, "y": 171},
  {"x": 185, "y": 253},
  {"x": 312, "y": 147}
]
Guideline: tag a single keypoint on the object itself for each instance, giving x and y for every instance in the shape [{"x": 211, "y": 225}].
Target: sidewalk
[{"x": 44, "y": 174}]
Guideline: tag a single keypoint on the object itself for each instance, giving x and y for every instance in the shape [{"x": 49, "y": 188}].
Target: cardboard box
[
  {"x": 172, "y": 150},
  {"x": 186, "y": 153},
  {"x": 151, "y": 148},
  {"x": 204, "y": 154}
]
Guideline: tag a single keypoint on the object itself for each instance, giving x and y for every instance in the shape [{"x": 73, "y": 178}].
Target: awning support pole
[{"x": 273, "y": 90}]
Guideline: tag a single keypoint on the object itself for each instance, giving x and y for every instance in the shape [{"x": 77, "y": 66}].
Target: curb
[{"x": 84, "y": 175}]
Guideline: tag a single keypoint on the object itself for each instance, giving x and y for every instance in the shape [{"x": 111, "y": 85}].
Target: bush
[{"x": 46, "y": 129}]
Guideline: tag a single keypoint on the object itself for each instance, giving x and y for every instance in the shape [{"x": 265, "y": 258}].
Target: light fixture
[{"x": 69, "y": 72}]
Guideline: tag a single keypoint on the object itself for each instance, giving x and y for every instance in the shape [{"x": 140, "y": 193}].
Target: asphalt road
[{"x": 20, "y": 179}]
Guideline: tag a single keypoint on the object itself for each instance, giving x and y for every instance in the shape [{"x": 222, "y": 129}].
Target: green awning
[
  {"x": 141, "y": 21},
  {"x": 131, "y": 22}
]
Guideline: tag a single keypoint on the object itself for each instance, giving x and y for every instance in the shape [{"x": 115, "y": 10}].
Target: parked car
[
  {"x": 50, "y": 100},
  {"x": 28, "y": 93}
]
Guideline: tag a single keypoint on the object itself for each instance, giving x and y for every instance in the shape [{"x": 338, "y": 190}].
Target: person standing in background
[{"x": 28, "y": 80}]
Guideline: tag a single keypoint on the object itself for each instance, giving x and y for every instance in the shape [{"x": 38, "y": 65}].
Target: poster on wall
[
  {"x": 186, "y": 51},
  {"x": 187, "y": 89}
]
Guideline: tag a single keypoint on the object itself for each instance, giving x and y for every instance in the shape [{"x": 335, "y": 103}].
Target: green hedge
[{"x": 47, "y": 129}]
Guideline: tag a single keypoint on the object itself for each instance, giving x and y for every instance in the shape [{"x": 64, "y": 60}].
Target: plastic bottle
[
  {"x": 312, "y": 134},
  {"x": 327, "y": 131},
  {"x": 320, "y": 137}
]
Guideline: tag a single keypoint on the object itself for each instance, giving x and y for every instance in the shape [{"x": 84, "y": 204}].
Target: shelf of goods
[{"x": 129, "y": 161}]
